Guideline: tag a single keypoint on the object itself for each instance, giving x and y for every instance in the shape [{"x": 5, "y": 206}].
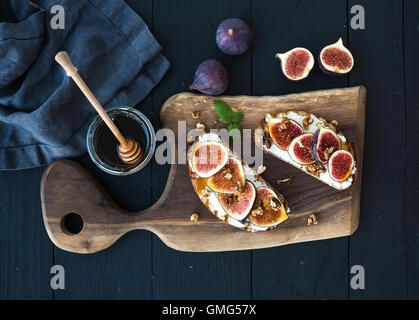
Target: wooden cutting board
[{"x": 67, "y": 187}]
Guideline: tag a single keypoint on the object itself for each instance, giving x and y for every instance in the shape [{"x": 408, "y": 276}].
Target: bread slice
[
  {"x": 213, "y": 200},
  {"x": 310, "y": 123}
]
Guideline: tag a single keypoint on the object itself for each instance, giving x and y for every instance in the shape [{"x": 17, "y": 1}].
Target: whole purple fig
[
  {"x": 210, "y": 78},
  {"x": 233, "y": 36}
]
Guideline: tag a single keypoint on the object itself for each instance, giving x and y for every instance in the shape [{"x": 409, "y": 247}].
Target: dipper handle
[{"x": 64, "y": 60}]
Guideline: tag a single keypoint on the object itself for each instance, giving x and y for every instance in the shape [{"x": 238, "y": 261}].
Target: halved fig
[
  {"x": 268, "y": 210},
  {"x": 208, "y": 158},
  {"x": 340, "y": 165},
  {"x": 239, "y": 205},
  {"x": 336, "y": 59},
  {"x": 283, "y": 131},
  {"x": 297, "y": 63},
  {"x": 300, "y": 149},
  {"x": 230, "y": 179},
  {"x": 325, "y": 142}
]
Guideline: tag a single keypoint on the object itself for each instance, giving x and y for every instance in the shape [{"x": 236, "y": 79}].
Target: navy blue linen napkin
[{"x": 43, "y": 114}]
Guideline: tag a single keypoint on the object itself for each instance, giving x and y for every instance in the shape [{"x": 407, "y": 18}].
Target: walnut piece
[
  {"x": 335, "y": 123},
  {"x": 257, "y": 212},
  {"x": 284, "y": 182},
  {"x": 307, "y": 121},
  {"x": 196, "y": 114},
  {"x": 228, "y": 176},
  {"x": 316, "y": 169},
  {"x": 327, "y": 152},
  {"x": 284, "y": 123},
  {"x": 333, "y": 128},
  {"x": 194, "y": 217},
  {"x": 190, "y": 139},
  {"x": 200, "y": 126},
  {"x": 261, "y": 169},
  {"x": 312, "y": 219},
  {"x": 205, "y": 192}
]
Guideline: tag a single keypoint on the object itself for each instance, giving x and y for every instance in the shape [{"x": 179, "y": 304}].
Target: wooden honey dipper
[{"x": 129, "y": 151}]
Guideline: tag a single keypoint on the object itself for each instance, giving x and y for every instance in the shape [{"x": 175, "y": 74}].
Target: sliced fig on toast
[
  {"x": 238, "y": 206},
  {"x": 208, "y": 158},
  {"x": 300, "y": 149},
  {"x": 268, "y": 210},
  {"x": 292, "y": 145},
  {"x": 325, "y": 142},
  {"x": 230, "y": 179},
  {"x": 220, "y": 193},
  {"x": 283, "y": 131},
  {"x": 340, "y": 165}
]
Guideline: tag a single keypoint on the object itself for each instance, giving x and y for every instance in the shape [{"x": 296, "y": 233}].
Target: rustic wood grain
[
  {"x": 188, "y": 38},
  {"x": 318, "y": 269},
  {"x": 124, "y": 271},
  {"x": 104, "y": 222}
]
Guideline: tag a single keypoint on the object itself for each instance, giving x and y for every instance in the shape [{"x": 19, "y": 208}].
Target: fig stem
[{"x": 279, "y": 56}]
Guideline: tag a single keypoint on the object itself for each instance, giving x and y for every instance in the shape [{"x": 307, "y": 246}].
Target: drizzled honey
[{"x": 106, "y": 145}]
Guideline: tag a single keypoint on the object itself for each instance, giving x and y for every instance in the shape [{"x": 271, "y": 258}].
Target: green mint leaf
[
  {"x": 225, "y": 120},
  {"x": 237, "y": 117},
  {"x": 234, "y": 130},
  {"x": 223, "y": 110}
]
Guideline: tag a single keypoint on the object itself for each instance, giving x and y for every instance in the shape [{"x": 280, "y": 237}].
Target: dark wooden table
[{"x": 140, "y": 266}]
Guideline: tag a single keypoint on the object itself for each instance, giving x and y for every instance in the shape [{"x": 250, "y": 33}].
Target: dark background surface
[{"x": 140, "y": 266}]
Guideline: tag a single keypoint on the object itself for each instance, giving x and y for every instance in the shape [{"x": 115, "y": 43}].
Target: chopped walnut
[
  {"x": 227, "y": 170},
  {"x": 261, "y": 169},
  {"x": 284, "y": 182},
  {"x": 200, "y": 126},
  {"x": 333, "y": 128},
  {"x": 312, "y": 219},
  {"x": 307, "y": 121},
  {"x": 335, "y": 123},
  {"x": 316, "y": 168},
  {"x": 327, "y": 152},
  {"x": 190, "y": 139},
  {"x": 194, "y": 217},
  {"x": 330, "y": 149},
  {"x": 228, "y": 176},
  {"x": 284, "y": 123},
  {"x": 326, "y": 155},
  {"x": 257, "y": 212},
  {"x": 196, "y": 114},
  {"x": 205, "y": 192}
]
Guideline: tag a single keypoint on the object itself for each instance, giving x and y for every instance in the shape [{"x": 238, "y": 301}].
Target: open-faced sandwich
[
  {"x": 309, "y": 143},
  {"x": 230, "y": 189}
]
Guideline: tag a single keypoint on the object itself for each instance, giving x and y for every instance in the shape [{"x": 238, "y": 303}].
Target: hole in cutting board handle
[{"x": 72, "y": 223}]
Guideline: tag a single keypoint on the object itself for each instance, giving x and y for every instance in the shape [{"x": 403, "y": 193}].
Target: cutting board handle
[{"x": 104, "y": 222}]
